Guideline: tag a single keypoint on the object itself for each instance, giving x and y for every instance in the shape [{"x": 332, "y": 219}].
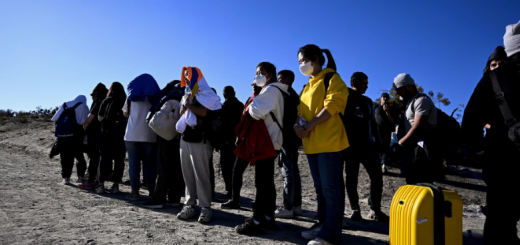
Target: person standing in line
[
  {"x": 269, "y": 107},
  {"x": 324, "y": 138},
  {"x": 140, "y": 139},
  {"x": 231, "y": 112},
  {"x": 385, "y": 126},
  {"x": 198, "y": 106},
  {"x": 69, "y": 119},
  {"x": 92, "y": 129},
  {"x": 292, "y": 194},
  {"x": 111, "y": 142},
  {"x": 361, "y": 132}
]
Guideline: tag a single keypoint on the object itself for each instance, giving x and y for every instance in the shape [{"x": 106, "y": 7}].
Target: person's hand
[
  {"x": 183, "y": 109},
  {"x": 386, "y": 108},
  {"x": 300, "y": 131}
]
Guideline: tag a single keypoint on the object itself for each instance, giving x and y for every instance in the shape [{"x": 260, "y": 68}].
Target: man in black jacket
[
  {"x": 231, "y": 112},
  {"x": 385, "y": 126},
  {"x": 501, "y": 156}
]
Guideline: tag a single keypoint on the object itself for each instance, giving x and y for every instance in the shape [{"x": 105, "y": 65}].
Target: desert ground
[{"x": 35, "y": 208}]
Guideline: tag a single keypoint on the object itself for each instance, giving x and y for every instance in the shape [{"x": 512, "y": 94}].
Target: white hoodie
[
  {"x": 270, "y": 99},
  {"x": 81, "y": 110}
]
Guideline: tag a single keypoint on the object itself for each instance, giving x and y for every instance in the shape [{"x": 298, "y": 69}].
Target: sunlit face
[
  {"x": 186, "y": 77},
  {"x": 302, "y": 59},
  {"x": 495, "y": 64}
]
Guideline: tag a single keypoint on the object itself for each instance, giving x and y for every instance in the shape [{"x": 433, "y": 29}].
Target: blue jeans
[
  {"x": 327, "y": 171},
  {"x": 292, "y": 192},
  {"x": 147, "y": 153}
]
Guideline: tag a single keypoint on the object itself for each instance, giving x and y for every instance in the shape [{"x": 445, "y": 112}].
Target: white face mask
[
  {"x": 306, "y": 68},
  {"x": 260, "y": 80}
]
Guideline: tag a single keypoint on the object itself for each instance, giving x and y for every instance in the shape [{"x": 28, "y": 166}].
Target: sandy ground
[{"x": 36, "y": 209}]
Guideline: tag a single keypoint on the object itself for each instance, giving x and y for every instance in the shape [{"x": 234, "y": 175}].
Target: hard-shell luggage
[{"x": 425, "y": 214}]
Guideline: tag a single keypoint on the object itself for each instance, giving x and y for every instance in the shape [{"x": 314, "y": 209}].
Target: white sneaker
[
  {"x": 205, "y": 215},
  {"x": 297, "y": 211},
  {"x": 284, "y": 213},
  {"x": 115, "y": 188},
  {"x": 319, "y": 241},
  {"x": 66, "y": 181},
  {"x": 313, "y": 232},
  {"x": 101, "y": 189},
  {"x": 383, "y": 169},
  {"x": 186, "y": 212}
]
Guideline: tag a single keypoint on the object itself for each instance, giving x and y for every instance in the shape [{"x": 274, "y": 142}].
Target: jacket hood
[
  {"x": 498, "y": 54},
  {"x": 283, "y": 87}
]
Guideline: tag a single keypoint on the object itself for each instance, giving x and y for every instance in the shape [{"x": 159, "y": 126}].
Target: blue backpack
[{"x": 66, "y": 125}]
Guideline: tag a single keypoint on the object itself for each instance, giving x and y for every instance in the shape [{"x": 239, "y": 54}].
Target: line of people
[{"x": 173, "y": 132}]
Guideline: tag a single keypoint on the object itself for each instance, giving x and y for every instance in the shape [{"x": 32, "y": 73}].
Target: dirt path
[{"x": 36, "y": 209}]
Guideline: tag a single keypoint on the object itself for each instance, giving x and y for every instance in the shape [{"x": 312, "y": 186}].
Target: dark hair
[
  {"x": 269, "y": 68},
  {"x": 214, "y": 90},
  {"x": 229, "y": 91},
  {"x": 385, "y": 95},
  {"x": 309, "y": 51},
  {"x": 358, "y": 77},
  {"x": 287, "y": 74},
  {"x": 117, "y": 91}
]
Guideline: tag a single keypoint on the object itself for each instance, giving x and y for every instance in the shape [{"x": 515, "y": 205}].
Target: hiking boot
[
  {"x": 378, "y": 216},
  {"x": 187, "y": 212},
  {"x": 284, "y": 213},
  {"x": 101, "y": 189},
  {"x": 133, "y": 197},
  {"x": 153, "y": 204},
  {"x": 88, "y": 186},
  {"x": 249, "y": 228},
  {"x": 383, "y": 169},
  {"x": 318, "y": 241},
  {"x": 115, "y": 188},
  {"x": 312, "y": 232},
  {"x": 297, "y": 211},
  {"x": 79, "y": 180},
  {"x": 356, "y": 216},
  {"x": 66, "y": 181},
  {"x": 205, "y": 215},
  {"x": 230, "y": 205},
  {"x": 224, "y": 197}
]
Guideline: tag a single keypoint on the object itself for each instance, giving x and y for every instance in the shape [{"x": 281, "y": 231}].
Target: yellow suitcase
[{"x": 415, "y": 212}]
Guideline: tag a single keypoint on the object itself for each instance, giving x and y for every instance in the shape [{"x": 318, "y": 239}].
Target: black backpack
[
  {"x": 113, "y": 122},
  {"x": 290, "y": 111},
  {"x": 213, "y": 130},
  {"x": 66, "y": 125}
]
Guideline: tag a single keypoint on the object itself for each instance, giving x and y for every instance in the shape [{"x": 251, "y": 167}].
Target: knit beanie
[
  {"x": 402, "y": 80},
  {"x": 512, "y": 39}
]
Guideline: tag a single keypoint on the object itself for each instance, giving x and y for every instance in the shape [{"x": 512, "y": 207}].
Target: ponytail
[
  {"x": 330, "y": 61},
  {"x": 311, "y": 51}
]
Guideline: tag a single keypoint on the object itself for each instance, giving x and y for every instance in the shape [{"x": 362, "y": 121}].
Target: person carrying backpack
[
  {"x": 495, "y": 102},
  {"x": 112, "y": 144},
  {"x": 292, "y": 193},
  {"x": 198, "y": 108},
  {"x": 92, "y": 130},
  {"x": 69, "y": 120},
  {"x": 419, "y": 143},
  {"x": 324, "y": 138}
]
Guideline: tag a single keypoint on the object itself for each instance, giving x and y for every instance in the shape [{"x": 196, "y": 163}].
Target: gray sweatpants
[{"x": 195, "y": 169}]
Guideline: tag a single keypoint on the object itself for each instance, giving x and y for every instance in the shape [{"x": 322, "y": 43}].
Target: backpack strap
[
  {"x": 413, "y": 102},
  {"x": 326, "y": 81},
  {"x": 509, "y": 119},
  {"x": 272, "y": 114}
]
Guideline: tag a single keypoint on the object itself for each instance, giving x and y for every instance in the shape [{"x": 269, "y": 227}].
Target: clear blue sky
[{"x": 51, "y": 51}]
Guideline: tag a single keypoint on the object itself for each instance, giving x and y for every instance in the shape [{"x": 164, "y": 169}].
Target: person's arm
[
  {"x": 125, "y": 110},
  {"x": 200, "y": 111},
  {"x": 90, "y": 118},
  {"x": 419, "y": 122},
  {"x": 323, "y": 116}
]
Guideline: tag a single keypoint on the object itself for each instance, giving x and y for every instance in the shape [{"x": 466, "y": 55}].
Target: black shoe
[
  {"x": 378, "y": 216},
  {"x": 269, "y": 224},
  {"x": 230, "y": 205},
  {"x": 249, "y": 228},
  {"x": 224, "y": 197},
  {"x": 153, "y": 204}
]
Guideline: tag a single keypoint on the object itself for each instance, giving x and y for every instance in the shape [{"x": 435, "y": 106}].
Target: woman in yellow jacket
[{"x": 324, "y": 137}]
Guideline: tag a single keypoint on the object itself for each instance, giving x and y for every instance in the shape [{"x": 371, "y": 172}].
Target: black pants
[
  {"x": 212, "y": 175},
  {"x": 265, "y": 200},
  {"x": 70, "y": 149},
  {"x": 112, "y": 151},
  {"x": 170, "y": 180},
  {"x": 419, "y": 164},
  {"x": 369, "y": 157},
  {"x": 93, "y": 156},
  {"x": 227, "y": 161},
  {"x": 238, "y": 172}
]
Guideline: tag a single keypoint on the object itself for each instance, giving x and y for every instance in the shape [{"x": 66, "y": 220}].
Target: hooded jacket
[
  {"x": 269, "y": 100},
  {"x": 81, "y": 110},
  {"x": 498, "y": 54}
]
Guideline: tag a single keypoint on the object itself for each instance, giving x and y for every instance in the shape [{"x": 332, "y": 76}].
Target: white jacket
[{"x": 270, "y": 99}]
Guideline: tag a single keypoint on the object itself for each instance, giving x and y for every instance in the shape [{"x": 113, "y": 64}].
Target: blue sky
[{"x": 51, "y": 51}]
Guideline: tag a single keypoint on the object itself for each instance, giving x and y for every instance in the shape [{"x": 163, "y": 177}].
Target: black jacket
[{"x": 232, "y": 110}]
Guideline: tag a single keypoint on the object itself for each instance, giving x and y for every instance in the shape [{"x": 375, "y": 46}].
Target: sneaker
[
  {"x": 187, "y": 212},
  {"x": 153, "y": 204},
  {"x": 383, "y": 169},
  {"x": 249, "y": 228},
  {"x": 269, "y": 224},
  {"x": 88, "y": 186},
  {"x": 297, "y": 211},
  {"x": 205, "y": 215},
  {"x": 284, "y": 213},
  {"x": 378, "y": 216},
  {"x": 356, "y": 216},
  {"x": 230, "y": 205},
  {"x": 66, "y": 181},
  {"x": 312, "y": 232},
  {"x": 133, "y": 197},
  {"x": 101, "y": 189},
  {"x": 115, "y": 188},
  {"x": 79, "y": 180},
  {"x": 224, "y": 197},
  {"x": 318, "y": 241}
]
